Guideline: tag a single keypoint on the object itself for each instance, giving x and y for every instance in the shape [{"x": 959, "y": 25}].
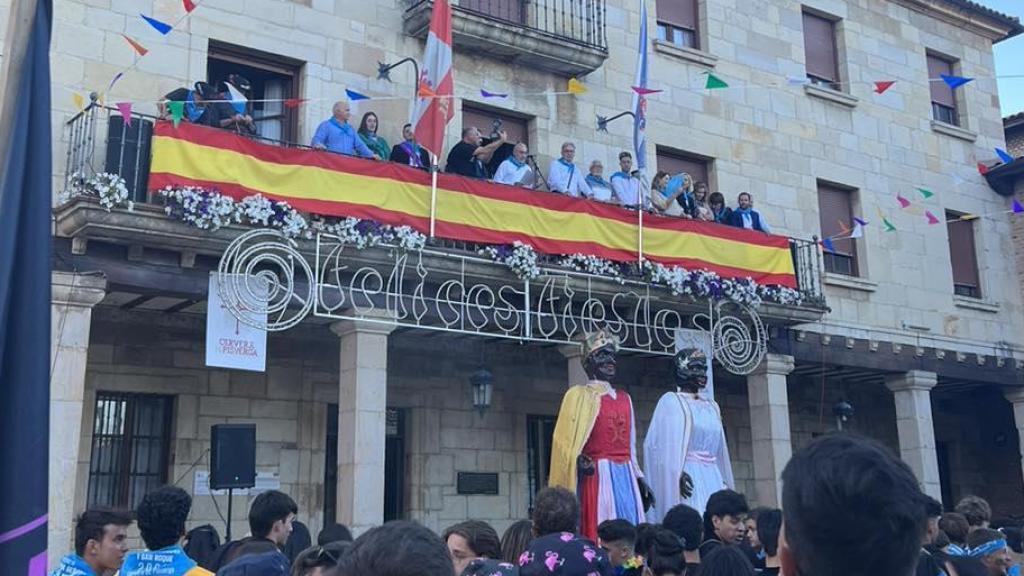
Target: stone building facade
[{"x": 933, "y": 374}]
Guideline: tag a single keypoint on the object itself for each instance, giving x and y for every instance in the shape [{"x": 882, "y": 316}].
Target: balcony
[
  {"x": 448, "y": 282},
  {"x": 566, "y": 38}
]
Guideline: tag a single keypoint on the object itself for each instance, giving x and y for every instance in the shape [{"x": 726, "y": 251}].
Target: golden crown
[{"x": 597, "y": 340}]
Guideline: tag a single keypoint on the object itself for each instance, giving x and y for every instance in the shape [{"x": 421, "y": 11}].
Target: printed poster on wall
[{"x": 229, "y": 342}]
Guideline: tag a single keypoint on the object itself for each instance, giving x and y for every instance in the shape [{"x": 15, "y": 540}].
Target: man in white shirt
[
  {"x": 627, "y": 187},
  {"x": 565, "y": 178},
  {"x": 514, "y": 170}
]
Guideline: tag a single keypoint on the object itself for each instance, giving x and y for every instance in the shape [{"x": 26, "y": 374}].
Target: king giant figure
[
  {"x": 593, "y": 450},
  {"x": 685, "y": 454}
]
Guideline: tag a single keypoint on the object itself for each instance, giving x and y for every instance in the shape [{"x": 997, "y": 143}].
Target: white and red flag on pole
[{"x": 433, "y": 107}]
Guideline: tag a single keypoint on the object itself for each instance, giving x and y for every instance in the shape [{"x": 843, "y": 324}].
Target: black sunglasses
[{"x": 321, "y": 557}]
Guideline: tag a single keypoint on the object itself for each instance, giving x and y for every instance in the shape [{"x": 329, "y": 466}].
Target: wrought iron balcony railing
[{"x": 98, "y": 140}]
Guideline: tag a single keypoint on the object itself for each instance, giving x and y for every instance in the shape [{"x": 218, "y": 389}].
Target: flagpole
[{"x": 433, "y": 193}]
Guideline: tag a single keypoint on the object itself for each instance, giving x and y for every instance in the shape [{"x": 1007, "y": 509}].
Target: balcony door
[{"x": 508, "y": 10}]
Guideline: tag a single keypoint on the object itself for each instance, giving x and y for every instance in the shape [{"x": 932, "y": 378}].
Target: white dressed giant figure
[{"x": 686, "y": 458}]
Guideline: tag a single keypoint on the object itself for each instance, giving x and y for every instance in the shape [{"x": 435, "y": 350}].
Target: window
[
  {"x": 836, "y": 211},
  {"x": 677, "y": 22},
  {"x": 674, "y": 162},
  {"x": 539, "y": 430},
  {"x": 131, "y": 437},
  {"x": 272, "y": 78},
  {"x": 963, "y": 256},
  {"x": 510, "y": 10},
  {"x": 943, "y": 99},
  {"x": 394, "y": 465},
  {"x": 820, "y": 51}
]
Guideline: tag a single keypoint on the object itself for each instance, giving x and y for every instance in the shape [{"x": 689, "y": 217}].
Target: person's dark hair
[
  {"x": 723, "y": 503},
  {"x": 769, "y": 522},
  {"x": 665, "y": 553},
  {"x": 851, "y": 507},
  {"x": 1013, "y": 538},
  {"x": 983, "y": 536},
  {"x": 625, "y": 154},
  {"x": 975, "y": 509},
  {"x": 334, "y": 532},
  {"x": 269, "y": 507},
  {"x": 686, "y": 523},
  {"x": 161, "y": 516},
  {"x": 716, "y": 198},
  {"x": 742, "y": 194},
  {"x": 362, "y": 123},
  {"x": 91, "y": 525},
  {"x": 727, "y": 561},
  {"x": 201, "y": 542},
  {"x": 555, "y": 510},
  {"x": 406, "y": 125},
  {"x": 617, "y": 530},
  {"x": 515, "y": 540},
  {"x": 754, "y": 513},
  {"x": 941, "y": 540},
  {"x": 399, "y": 548},
  {"x": 322, "y": 556},
  {"x": 480, "y": 537},
  {"x": 932, "y": 507},
  {"x": 658, "y": 176},
  {"x": 644, "y": 537},
  {"x": 955, "y": 525}
]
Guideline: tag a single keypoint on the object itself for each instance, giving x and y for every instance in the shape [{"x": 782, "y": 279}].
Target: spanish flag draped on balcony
[
  {"x": 432, "y": 109},
  {"x": 466, "y": 209}
]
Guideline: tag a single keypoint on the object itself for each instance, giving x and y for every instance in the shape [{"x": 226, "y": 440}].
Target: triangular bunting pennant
[
  {"x": 1017, "y": 208},
  {"x": 969, "y": 217},
  {"x": 714, "y": 83},
  {"x": 888, "y": 225},
  {"x": 294, "y": 102},
  {"x": 425, "y": 91},
  {"x": 139, "y": 48},
  {"x": 486, "y": 94},
  {"x": 827, "y": 243},
  {"x": 844, "y": 228},
  {"x": 882, "y": 85},
  {"x": 576, "y": 87},
  {"x": 982, "y": 169},
  {"x": 125, "y": 108},
  {"x": 78, "y": 100},
  {"x": 645, "y": 91},
  {"x": 159, "y": 26},
  {"x": 114, "y": 80},
  {"x": 177, "y": 109},
  {"x": 931, "y": 218},
  {"x": 236, "y": 96},
  {"x": 860, "y": 221},
  {"x": 354, "y": 96},
  {"x": 858, "y": 230},
  {"x": 954, "y": 82},
  {"x": 926, "y": 193},
  {"x": 189, "y": 5},
  {"x": 903, "y": 201},
  {"x": 1004, "y": 156},
  {"x": 797, "y": 80}
]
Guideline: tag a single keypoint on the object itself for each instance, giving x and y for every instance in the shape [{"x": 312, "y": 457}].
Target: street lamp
[
  {"x": 384, "y": 73},
  {"x": 843, "y": 411},
  {"x": 481, "y": 383},
  {"x": 602, "y": 121}
]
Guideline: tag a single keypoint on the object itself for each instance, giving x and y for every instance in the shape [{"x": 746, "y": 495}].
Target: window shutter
[
  {"x": 676, "y": 163},
  {"x": 681, "y": 13},
  {"x": 962, "y": 254},
  {"x": 833, "y": 206},
  {"x": 510, "y": 10},
  {"x": 941, "y": 92},
  {"x": 820, "y": 47}
]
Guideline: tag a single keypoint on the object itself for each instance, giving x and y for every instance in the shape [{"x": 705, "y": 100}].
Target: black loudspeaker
[
  {"x": 232, "y": 456},
  {"x": 127, "y": 155}
]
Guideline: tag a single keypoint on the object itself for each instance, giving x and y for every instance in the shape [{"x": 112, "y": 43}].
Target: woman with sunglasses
[{"x": 320, "y": 560}]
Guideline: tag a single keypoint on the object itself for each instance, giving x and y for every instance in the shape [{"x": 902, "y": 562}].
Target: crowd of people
[
  {"x": 496, "y": 159},
  {"x": 849, "y": 508}
]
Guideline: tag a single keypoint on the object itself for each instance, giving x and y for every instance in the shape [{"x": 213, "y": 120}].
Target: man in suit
[{"x": 744, "y": 216}]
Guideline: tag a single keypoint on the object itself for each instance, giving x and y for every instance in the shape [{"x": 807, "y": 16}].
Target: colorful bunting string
[
  {"x": 931, "y": 218},
  {"x": 982, "y": 169},
  {"x": 425, "y": 91},
  {"x": 354, "y": 96},
  {"x": 139, "y": 48},
  {"x": 159, "y": 26},
  {"x": 1004, "y": 156},
  {"x": 125, "y": 108},
  {"x": 714, "y": 82},
  {"x": 645, "y": 91},
  {"x": 576, "y": 87},
  {"x": 829, "y": 246},
  {"x": 1017, "y": 208},
  {"x": 177, "y": 111},
  {"x": 903, "y": 201},
  {"x": 954, "y": 82},
  {"x": 78, "y": 100},
  {"x": 189, "y": 5},
  {"x": 294, "y": 102},
  {"x": 882, "y": 85},
  {"x": 486, "y": 94},
  {"x": 926, "y": 193}
]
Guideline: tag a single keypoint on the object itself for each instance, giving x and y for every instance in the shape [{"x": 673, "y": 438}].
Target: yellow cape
[{"x": 575, "y": 421}]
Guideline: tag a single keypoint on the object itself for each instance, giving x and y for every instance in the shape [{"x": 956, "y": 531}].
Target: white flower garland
[
  {"x": 210, "y": 210},
  {"x": 111, "y": 189}
]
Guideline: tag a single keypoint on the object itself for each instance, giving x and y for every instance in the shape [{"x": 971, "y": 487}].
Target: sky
[{"x": 1010, "y": 59}]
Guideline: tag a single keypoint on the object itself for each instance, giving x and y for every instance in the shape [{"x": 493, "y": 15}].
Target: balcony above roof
[{"x": 541, "y": 34}]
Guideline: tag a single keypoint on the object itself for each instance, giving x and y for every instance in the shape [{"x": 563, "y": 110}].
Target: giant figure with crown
[{"x": 593, "y": 450}]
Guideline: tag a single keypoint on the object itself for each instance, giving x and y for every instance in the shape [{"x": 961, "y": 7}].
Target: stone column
[
  {"x": 73, "y": 297},
  {"x": 912, "y": 392},
  {"x": 362, "y": 406},
  {"x": 769, "y": 426},
  {"x": 1016, "y": 397},
  {"x": 574, "y": 362}
]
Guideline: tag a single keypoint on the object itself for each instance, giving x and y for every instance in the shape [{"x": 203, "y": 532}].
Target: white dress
[{"x": 685, "y": 435}]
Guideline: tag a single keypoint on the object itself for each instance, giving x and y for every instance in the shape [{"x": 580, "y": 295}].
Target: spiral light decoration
[
  {"x": 264, "y": 281},
  {"x": 739, "y": 338}
]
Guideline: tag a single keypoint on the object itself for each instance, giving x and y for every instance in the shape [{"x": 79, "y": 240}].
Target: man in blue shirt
[
  {"x": 337, "y": 135},
  {"x": 161, "y": 516},
  {"x": 744, "y": 216},
  {"x": 101, "y": 541}
]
